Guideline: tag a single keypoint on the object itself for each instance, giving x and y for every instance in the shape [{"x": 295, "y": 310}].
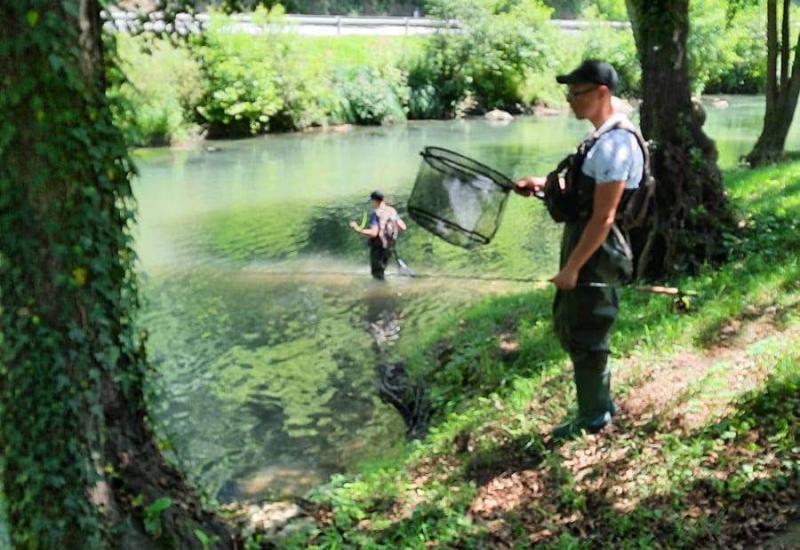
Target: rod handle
[{"x": 667, "y": 290}]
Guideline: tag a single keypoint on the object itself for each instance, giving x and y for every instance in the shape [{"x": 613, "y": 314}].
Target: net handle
[{"x": 498, "y": 178}]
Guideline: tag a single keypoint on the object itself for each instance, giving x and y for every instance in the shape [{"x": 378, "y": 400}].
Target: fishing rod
[
  {"x": 682, "y": 301},
  {"x": 651, "y": 289},
  {"x": 406, "y": 271}
]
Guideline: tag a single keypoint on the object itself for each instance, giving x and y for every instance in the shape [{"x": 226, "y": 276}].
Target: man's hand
[
  {"x": 567, "y": 279},
  {"x": 354, "y": 225},
  {"x": 532, "y": 185}
]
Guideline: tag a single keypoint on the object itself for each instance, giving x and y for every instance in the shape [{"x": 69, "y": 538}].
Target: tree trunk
[
  {"x": 81, "y": 468},
  {"x": 783, "y": 87},
  {"x": 691, "y": 208}
]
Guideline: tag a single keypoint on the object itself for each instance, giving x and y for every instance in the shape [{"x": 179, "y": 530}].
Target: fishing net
[{"x": 457, "y": 198}]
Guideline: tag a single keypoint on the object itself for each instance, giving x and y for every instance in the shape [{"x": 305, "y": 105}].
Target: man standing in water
[
  {"x": 588, "y": 192},
  {"x": 382, "y": 229}
]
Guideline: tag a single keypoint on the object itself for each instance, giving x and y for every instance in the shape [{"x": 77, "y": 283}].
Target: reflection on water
[{"x": 264, "y": 322}]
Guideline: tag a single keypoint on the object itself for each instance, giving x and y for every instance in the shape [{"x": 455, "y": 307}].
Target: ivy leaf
[
  {"x": 158, "y": 506},
  {"x": 32, "y": 17},
  {"x": 202, "y": 537},
  {"x": 79, "y": 275}
]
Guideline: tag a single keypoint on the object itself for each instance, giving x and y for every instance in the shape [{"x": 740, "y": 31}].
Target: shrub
[
  {"x": 242, "y": 71},
  {"x": 501, "y": 44},
  {"x": 154, "y": 103},
  {"x": 743, "y": 71},
  {"x": 371, "y": 96}
]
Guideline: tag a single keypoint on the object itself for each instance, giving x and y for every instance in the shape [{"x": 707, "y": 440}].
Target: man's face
[
  {"x": 375, "y": 203},
  {"x": 584, "y": 99}
]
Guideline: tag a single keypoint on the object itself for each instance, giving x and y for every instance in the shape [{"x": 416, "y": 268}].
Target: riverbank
[
  {"x": 704, "y": 451},
  {"x": 227, "y": 84}
]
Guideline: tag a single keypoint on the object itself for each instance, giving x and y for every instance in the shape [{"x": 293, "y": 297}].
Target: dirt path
[{"x": 666, "y": 400}]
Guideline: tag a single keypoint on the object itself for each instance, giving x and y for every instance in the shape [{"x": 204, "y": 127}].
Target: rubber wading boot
[
  {"x": 593, "y": 387},
  {"x": 579, "y": 426}
]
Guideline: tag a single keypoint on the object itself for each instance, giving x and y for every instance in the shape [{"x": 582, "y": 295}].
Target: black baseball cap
[
  {"x": 591, "y": 71},
  {"x": 376, "y": 196}
]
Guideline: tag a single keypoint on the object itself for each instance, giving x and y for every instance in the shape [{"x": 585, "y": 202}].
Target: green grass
[
  {"x": 359, "y": 51},
  {"x": 493, "y": 407}
]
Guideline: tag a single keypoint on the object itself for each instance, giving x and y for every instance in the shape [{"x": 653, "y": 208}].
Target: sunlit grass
[{"x": 494, "y": 408}]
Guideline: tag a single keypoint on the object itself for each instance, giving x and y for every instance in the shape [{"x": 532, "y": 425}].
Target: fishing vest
[{"x": 573, "y": 202}]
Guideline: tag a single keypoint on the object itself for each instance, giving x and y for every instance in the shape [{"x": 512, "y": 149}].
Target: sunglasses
[{"x": 570, "y": 94}]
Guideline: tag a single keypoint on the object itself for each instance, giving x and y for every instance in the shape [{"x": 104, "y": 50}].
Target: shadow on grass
[
  {"x": 727, "y": 503},
  {"x": 520, "y": 453}
]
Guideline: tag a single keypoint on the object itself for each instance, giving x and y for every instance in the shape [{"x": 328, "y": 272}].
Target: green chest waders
[{"x": 583, "y": 317}]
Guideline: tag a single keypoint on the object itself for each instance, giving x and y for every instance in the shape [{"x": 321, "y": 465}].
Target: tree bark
[
  {"x": 691, "y": 207},
  {"x": 81, "y": 467},
  {"x": 783, "y": 88}
]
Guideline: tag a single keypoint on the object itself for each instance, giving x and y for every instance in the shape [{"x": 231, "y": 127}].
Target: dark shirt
[{"x": 374, "y": 222}]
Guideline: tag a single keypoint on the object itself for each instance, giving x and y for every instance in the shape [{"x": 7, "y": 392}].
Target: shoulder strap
[{"x": 643, "y": 145}]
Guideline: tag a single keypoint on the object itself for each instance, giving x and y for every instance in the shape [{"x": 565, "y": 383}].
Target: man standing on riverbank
[
  {"x": 382, "y": 230},
  {"x": 586, "y": 192}
]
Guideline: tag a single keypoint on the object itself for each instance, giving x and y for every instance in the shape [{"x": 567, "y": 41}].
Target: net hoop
[
  {"x": 460, "y": 163},
  {"x": 443, "y": 161}
]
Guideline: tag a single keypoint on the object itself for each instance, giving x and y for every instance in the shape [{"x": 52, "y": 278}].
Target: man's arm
[
  {"x": 530, "y": 186},
  {"x": 604, "y": 209},
  {"x": 371, "y": 232}
]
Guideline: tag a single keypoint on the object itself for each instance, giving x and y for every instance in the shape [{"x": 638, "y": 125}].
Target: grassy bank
[{"x": 705, "y": 449}]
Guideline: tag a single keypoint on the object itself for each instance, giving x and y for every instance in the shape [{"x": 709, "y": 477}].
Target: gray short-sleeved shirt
[{"x": 615, "y": 157}]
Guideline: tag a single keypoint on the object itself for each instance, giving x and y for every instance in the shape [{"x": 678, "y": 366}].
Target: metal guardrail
[{"x": 184, "y": 23}]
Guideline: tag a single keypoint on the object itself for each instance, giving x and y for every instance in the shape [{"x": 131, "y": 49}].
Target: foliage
[
  {"x": 239, "y": 84},
  {"x": 726, "y": 54},
  {"x": 326, "y": 7},
  {"x": 243, "y": 73},
  {"x": 152, "y": 515},
  {"x": 66, "y": 270},
  {"x": 500, "y": 45},
  {"x": 567, "y": 9},
  {"x": 617, "y": 47},
  {"x": 609, "y": 10},
  {"x": 371, "y": 96},
  {"x": 155, "y": 99}
]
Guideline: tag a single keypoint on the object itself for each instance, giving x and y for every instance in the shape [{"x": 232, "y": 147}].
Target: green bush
[
  {"x": 371, "y": 96},
  {"x": 154, "y": 103},
  {"x": 242, "y": 73},
  {"x": 306, "y": 91},
  {"x": 501, "y": 44},
  {"x": 710, "y": 53},
  {"x": 727, "y": 45},
  {"x": 744, "y": 68},
  {"x": 609, "y": 10},
  {"x": 506, "y": 56}
]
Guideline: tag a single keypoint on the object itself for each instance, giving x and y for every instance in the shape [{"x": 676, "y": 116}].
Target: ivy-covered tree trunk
[
  {"x": 691, "y": 207},
  {"x": 80, "y": 466},
  {"x": 783, "y": 88}
]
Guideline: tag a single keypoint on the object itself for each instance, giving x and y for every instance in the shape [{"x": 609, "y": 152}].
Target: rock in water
[
  {"x": 721, "y": 104},
  {"x": 497, "y": 115}
]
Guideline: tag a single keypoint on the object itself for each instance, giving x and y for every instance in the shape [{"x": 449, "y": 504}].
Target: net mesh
[{"x": 457, "y": 198}]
